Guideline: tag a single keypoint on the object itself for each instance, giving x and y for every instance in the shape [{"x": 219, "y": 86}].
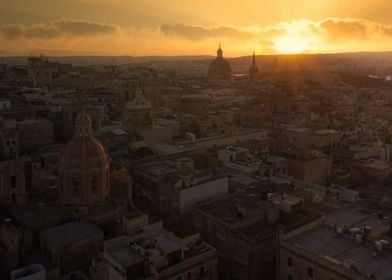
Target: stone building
[
  {"x": 172, "y": 189},
  {"x": 40, "y": 70},
  {"x": 242, "y": 227},
  {"x": 196, "y": 104},
  {"x": 9, "y": 247},
  {"x": 12, "y": 181},
  {"x": 138, "y": 111},
  {"x": 34, "y": 133},
  {"x": 157, "y": 254},
  {"x": 71, "y": 247},
  {"x": 9, "y": 139}
]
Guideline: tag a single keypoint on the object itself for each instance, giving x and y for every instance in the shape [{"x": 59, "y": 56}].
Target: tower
[
  {"x": 138, "y": 112},
  {"x": 253, "y": 70}
]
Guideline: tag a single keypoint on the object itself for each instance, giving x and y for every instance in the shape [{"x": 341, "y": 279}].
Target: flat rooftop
[
  {"x": 226, "y": 211},
  {"x": 127, "y": 256},
  {"x": 322, "y": 240},
  {"x": 65, "y": 234}
]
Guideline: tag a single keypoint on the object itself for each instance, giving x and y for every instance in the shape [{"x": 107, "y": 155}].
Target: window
[
  {"x": 189, "y": 274},
  {"x": 94, "y": 184},
  {"x": 179, "y": 278},
  {"x": 310, "y": 272},
  {"x": 290, "y": 262},
  {"x": 13, "y": 182},
  {"x": 202, "y": 271},
  {"x": 75, "y": 186},
  {"x": 290, "y": 277}
]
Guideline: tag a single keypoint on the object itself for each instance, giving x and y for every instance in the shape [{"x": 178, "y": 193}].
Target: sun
[{"x": 291, "y": 44}]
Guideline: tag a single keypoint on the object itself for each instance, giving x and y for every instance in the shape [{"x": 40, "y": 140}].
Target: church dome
[
  {"x": 84, "y": 153},
  {"x": 219, "y": 68},
  {"x": 84, "y": 167}
]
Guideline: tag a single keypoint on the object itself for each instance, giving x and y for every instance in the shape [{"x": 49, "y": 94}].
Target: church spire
[
  {"x": 254, "y": 60},
  {"x": 253, "y": 70},
  {"x": 220, "y": 52}
]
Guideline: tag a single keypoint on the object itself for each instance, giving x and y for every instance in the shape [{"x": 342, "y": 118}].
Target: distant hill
[{"x": 240, "y": 63}]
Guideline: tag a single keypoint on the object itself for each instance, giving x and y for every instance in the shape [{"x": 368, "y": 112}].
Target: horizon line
[{"x": 193, "y": 55}]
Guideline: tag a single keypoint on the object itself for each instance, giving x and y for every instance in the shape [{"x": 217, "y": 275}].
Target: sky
[{"x": 193, "y": 27}]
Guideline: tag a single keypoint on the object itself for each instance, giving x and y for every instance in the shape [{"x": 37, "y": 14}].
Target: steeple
[
  {"x": 253, "y": 70},
  {"x": 220, "y": 52},
  {"x": 254, "y": 60}
]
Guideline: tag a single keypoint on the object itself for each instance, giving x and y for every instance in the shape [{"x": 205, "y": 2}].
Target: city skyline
[{"x": 142, "y": 28}]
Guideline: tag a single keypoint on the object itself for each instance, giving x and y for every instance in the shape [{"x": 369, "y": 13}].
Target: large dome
[
  {"x": 219, "y": 68},
  {"x": 84, "y": 167},
  {"x": 84, "y": 153}
]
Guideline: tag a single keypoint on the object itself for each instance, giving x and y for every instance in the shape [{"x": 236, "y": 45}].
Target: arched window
[
  {"x": 75, "y": 186},
  {"x": 94, "y": 184}
]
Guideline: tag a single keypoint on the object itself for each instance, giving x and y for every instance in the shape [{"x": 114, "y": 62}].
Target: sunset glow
[
  {"x": 135, "y": 27},
  {"x": 291, "y": 45}
]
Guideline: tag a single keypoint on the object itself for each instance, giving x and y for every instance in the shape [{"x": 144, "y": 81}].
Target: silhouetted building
[
  {"x": 219, "y": 68},
  {"x": 253, "y": 70}
]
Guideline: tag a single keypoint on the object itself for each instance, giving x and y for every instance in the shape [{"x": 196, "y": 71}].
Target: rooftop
[
  {"x": 343, "y": 249},
  {"x": 155, "y": 247},
  {"x": 65, "y": 234},
  {"x": 238, "y": 208}
]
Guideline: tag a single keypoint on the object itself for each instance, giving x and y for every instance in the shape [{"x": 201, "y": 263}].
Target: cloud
[
  {"x": 334, "y": 28},
  {"x": 200, "y": 33},
  {"x": 326, "y": 35},
  {"x": 12, "y": 31},
  {"x": 56, "y": 29},
  {"x": 347, "y": 29}
]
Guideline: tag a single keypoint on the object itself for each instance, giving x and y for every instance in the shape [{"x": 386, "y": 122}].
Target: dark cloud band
[
  {"x": 201, "y": 33},
  {"x": 55, "y": 29}
]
